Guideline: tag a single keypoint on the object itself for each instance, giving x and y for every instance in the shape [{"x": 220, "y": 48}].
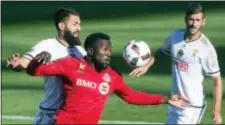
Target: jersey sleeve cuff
[
  {"x": 165, "y": 52},
  {"x": 213, "y": 74},
  {"x": 28, "y": 56}
]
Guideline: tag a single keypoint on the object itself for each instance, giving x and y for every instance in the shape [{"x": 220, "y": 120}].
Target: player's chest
[
  {"x": 87, "y": 80},
  {"x": 186, "y": 52}
]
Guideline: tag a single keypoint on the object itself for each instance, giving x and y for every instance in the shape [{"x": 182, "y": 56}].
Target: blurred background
[{"x": 25, "y": 23}]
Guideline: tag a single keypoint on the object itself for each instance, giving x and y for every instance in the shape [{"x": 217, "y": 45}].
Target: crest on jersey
[
  {"x": 106, "y": 78},
  {"x": 194, "y": 54},
  {"x": 180, "y": 53},
  {"x": 82, "y": 66},
  {"x": 104, "y": 88}
]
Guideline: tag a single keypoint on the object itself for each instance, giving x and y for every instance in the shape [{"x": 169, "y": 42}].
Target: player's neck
[
  {"x": 93, "y": 65},
  {"x": 62, "y": 41},
  {"x": 190, "y": 38}
]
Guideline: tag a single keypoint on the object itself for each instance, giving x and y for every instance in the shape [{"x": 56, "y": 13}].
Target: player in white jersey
[
  {"x": 67, "y": 22},
  {"x": 193, "y": 57}
]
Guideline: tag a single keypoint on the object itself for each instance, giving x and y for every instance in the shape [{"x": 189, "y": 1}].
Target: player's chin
[
  {"x": 193, "y": 31},
  {"x": 105, "y": 65},
  {"x": 76, "y": 34}
]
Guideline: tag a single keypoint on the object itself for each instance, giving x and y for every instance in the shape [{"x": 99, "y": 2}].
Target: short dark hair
[
  {"x": 92, "y": 40},
  {"x": 194, "y": 8},
  {"x": 62, "y": 13}
]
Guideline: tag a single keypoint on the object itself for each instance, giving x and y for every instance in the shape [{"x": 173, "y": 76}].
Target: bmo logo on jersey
[
  {"x": 103, "y": 87},
  {"x": 85, "y": 83},
  {"x": 181, "y": 65}
]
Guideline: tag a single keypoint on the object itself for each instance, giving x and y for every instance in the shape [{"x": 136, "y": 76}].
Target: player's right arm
[
  {"x": 17, "y": 63},
  {"x": 58, "y": 67},
  {"x": 164, "y": 50}
]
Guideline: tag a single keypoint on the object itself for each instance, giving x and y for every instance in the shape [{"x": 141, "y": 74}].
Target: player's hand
[
  {"x": 43, "y": 57},
  {"x": 13, "y": 60},
  {"x": 178, "y": 101},
  {"x": 141, "y": 70},
  {"x": 176, "y": 97},
  {"x": 217, "y": 118}
]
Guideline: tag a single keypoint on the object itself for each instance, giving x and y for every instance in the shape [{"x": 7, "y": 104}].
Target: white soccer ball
[{"x": 136, "y": 53}]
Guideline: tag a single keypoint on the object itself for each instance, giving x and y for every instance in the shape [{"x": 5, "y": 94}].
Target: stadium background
[{"x": 26, "y": 23}]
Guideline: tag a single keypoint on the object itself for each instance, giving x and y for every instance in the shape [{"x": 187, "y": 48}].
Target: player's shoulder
[
  {"x": 46, "y": 42},
  {"x": 206, "y": 47},
  {"x": 71, "y": 58},
  {"x": 63, "y": 59},
  {"x": 178, "y": 32},
  {"x": 67, "y": 60},
  {"x": 81, "y": 50},
  {"x": 205, "y": 42},
  {"x": 115, "y": 71}
]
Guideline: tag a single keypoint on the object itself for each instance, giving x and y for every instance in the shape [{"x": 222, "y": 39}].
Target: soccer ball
[{"x": 136, "y": 53}]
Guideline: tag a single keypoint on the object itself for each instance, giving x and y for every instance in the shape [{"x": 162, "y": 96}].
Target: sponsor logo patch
[{"x": 181, "y": 65}]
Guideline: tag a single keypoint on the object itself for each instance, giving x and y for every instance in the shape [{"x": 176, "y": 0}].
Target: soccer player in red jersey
[{"x": 88, "y": 82}]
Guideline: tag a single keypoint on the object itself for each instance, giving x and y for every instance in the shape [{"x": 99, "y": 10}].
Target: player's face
[
  {"x": 70, "y": 38},
  {"x": 72, "y": 29},
  {"x": 102, "y": 53},
  {"x": 73, "y": 25},
  {"x": 194, "y": 23}
]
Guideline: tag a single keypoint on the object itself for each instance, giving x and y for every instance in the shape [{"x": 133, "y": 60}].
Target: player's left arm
[
  {"x": 211, "y": 67},
  {"x": 131, "y": 96},
  {"x": 217, "y": 119},
  {"x": 135, "y": 97}
]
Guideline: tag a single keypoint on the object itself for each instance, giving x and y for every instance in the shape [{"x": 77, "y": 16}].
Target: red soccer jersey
[{"x": 87, "y": 90}]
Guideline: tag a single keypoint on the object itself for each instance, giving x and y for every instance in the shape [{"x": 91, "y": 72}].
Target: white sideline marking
[{"x": 29, "y": 118}]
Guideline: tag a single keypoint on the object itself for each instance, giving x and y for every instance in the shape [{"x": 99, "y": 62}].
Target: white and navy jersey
[
  {"x": 53, "y": 84},
  {"x": 191, "y": 61}
]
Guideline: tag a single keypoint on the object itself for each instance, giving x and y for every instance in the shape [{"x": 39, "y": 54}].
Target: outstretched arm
[
  {"x": 138, "y": 97},
  {"x": 141, "y": 98},
  {"x": 164, "y": 50},
  {"x": 17, "y": 63},
  {"x": 138, "y": 71},
  {"x": 35, "y": 67}
]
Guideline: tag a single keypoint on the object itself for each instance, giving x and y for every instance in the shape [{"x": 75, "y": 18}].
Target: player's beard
[
  {"x": 194, "y": 33},
  {"x": 71, "y": 39},
  {"x": 99, "y": 62}
]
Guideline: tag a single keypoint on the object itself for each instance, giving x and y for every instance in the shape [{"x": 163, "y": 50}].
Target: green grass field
[{"x": 21, "y": 93}]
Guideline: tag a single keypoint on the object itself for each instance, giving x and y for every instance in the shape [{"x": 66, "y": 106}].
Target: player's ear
[
  {"x": 90, "y": 51},
  {"x": 61, "y": 25},
  {"x": 204, "y": 21}
]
